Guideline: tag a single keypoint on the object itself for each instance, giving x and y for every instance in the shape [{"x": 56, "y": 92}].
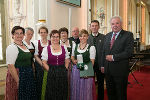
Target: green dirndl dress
[
  {"x": 27, "y": 88},
  {"x": 82, "y": 88}
]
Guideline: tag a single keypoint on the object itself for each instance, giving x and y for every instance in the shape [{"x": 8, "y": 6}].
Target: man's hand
[
  {"x": 109, "y": 57},
  {"x": 102, "y": 69}
]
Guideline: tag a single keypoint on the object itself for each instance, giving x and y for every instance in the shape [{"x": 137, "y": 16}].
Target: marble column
[{"x": 42, "y": 11}]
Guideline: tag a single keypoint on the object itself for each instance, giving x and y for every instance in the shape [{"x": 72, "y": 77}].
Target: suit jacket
[
  {"x": 99, "y": 45},
  {"x": 121, "y": 50},
  {"x": 77, "y": 41}
]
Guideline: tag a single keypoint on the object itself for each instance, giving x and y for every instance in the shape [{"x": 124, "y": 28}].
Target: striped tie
[{"x": 112, "y": 40}]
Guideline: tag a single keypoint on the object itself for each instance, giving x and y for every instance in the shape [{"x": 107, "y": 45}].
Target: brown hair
[
  {"x": 17, "y": 28},
  {"x": 83, "y": 31},
  {"x": 95, "y": 21},
  {"x": 43, "y": 27},
  {"x": 54, "y": 32},
  {"x": 63, "y": 29}
]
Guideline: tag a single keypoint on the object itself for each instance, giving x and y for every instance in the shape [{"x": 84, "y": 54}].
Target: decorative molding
[
  {"x": 16, "y": 16},
  {"x": 101, "y": 15},
  {"x": 138, "y": 4},
  {"x": 42, "y": 20}
]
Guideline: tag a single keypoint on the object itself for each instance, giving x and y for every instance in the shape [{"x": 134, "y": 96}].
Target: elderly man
[
  {"x": 118, "y": 47},
  {"x": 75, "y": 35}
]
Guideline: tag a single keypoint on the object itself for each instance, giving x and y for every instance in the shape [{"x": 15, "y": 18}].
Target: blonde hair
[{"x": 83, "y": 31}]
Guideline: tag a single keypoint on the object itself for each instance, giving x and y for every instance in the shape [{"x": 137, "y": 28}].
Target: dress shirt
[
  {"x": 115, "y": 39},
  {"x": 95, "y": 34}
]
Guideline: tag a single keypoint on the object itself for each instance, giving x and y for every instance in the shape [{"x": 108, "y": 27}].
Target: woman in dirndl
[
  {"x": 29, "y": 32},
  {"x": 39, "y": 71},
  {"x": 64, "y": 41},
  {"x": 20, "y": 82},
  {"x": 55, "y": 61},
  {"x": 82, "y": 88}
]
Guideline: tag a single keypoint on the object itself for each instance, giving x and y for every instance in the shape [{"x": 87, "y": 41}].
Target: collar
[
  {"x": 75, "y": 38},
  {"x": 94, "y": 34},
  {"x": 116, "y": 33}
]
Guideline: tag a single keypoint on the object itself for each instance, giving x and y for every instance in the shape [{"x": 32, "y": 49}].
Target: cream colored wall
[
  {"x": 109, "y": 15},
  {"x": 57, "y": 15},
  {"x": 62, "y": 15}
]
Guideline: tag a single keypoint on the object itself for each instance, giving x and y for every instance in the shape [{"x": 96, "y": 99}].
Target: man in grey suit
[
  {"x": 96, "y": 39},
  {"x": 118, "y": 48}
]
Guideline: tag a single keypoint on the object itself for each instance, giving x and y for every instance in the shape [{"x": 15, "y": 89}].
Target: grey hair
[
  {"x": 116, "y": 17},
  {"x": 29, "y": 28}
]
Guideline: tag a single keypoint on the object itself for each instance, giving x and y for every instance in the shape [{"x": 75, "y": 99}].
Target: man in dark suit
[
  {"x": 118, "y": 47},
  {"x": 97, "y": 39}
]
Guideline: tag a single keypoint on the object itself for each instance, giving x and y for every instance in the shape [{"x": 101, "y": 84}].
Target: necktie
[{"x": 112, "y": 40}]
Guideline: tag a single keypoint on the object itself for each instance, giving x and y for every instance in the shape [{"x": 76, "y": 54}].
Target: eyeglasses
[
  {"x": 56, "y": 37},
  {"x": 16, "y": 33},
  {"x": 75, "y": 31}
]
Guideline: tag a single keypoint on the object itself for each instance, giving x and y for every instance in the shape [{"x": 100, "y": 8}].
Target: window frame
[{"x": 3, "y": 31}]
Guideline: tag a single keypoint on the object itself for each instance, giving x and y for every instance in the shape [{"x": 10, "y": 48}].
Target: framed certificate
[{"x": 76, "y": 3}]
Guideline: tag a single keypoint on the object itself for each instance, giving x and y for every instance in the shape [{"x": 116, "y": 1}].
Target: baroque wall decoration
[{"x": 101, "y": 15}]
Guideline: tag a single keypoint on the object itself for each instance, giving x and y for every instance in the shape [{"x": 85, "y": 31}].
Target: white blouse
[
  {"x": 45, "y": 53},
  {"x": 36, "y": 46},
  {"x": 65, "y": 44},
  {"x": 28, "y": 46},
  {"x": 12, "y": 53},
  {"x": 92, "y": 50}
]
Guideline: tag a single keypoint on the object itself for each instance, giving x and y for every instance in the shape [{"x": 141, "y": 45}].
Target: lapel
[
  {"x": 108, "y": 39},
  {"x": 117, "y": 39}
]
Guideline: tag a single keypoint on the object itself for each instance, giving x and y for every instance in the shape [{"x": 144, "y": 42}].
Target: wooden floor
[
  {"x": 3, "y": 71},
  {"x": 2, "y": 87},
  {"x": 1, "y": 97},
  {"x": 2, "y": 83}
]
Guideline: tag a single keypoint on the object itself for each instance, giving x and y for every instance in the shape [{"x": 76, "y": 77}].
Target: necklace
[
  {"x": 64, "y": 41},
  {"x": 19, "y": 44},
  {"x": 44, "y": 42},
  {"x": 82, "y": 48},
  {"x": 56, "y": 48}
]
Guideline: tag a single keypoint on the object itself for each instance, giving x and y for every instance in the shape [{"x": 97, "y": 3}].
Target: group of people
[{"x": 65, "y": 68}]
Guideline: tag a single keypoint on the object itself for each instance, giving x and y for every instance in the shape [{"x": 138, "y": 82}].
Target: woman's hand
[
  {"x": 45, "y": 65},
  {"x": 67, "y": 61},
  {"x": 13, "y": 73},
  {"x": 47, "y": 69},
  {"x": 17, "y": 84},
  {"x": 75, "y": 62}
]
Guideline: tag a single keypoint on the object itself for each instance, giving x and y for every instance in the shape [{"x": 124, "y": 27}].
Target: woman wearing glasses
[
  {"x": 20, "y": 83},
  {"x": 55, "y": 60}
]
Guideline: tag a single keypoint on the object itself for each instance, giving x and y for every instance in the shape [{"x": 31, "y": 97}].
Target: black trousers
[
  {"x": 116, "y": 87},
  {"x": 100, "y": 82}
]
